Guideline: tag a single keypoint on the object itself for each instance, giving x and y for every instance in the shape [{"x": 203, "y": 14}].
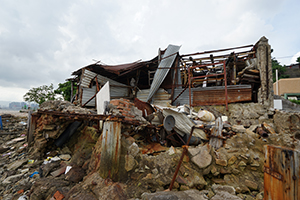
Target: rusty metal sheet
[
  {"x": 110, "y": 150},
  {"x": 153, "y": 148},
  {"x": 216, "y": 95},
  {"x": 281, "y": 177}
]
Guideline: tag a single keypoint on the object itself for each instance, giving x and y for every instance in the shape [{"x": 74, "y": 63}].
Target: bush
[{"x": 295, "y": 101}]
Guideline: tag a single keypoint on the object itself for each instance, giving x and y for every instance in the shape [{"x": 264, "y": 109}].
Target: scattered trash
[
  {"x": 68, "y": 169},
  {"x": 34, "y": 173},
  {"x": 23, "y": 197},
  {"x": 30, "y": 161}
]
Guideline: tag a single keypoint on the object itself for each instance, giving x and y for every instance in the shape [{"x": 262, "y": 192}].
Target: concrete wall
[{"x": 263, "y": 54}]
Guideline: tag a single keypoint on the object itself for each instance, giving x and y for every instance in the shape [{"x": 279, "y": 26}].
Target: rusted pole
[
  {"x": 185, "y": 148},
  {"x": 97, "y": 84},
  {"x": 226, "y": 95}
]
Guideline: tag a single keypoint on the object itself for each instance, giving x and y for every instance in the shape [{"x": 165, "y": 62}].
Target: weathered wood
[{"x": 216, "y": 133}]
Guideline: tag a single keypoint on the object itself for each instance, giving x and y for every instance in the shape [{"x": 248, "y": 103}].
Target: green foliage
[
  {"x": 295, "y": 101},
  {"x": 40, "y": 94},
  {"x": 65, "y": 90},
  {"x": 281, "y": 69},
  {"x": 298, "y": 60}
]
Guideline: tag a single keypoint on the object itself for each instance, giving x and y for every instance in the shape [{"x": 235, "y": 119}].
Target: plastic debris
[{"x": 34, "y": 173}]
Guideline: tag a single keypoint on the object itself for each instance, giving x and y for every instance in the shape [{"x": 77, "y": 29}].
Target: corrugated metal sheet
[
  {"x": 161, "y": 97},
  {"x": 88, "y": 93},
  {"x": 183, "y": 124},
  {"x": 163, "y": 69},
  {"x": 282, "y": 174},
  {"x": 183, "y": 98},
  {"x": 115, "y": 91},
  {"x": 235, "y": 94},
  {"x": 110, "y": 150}
]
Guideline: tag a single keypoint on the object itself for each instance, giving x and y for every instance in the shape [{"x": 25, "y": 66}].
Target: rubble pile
[{"x": 52, "y": 167}]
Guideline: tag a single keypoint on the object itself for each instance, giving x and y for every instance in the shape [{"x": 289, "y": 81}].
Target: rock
[
  {"x": 251, "y": 133},
  {"x": 171, "y": 151},
  {"x": 242, "y": 164},
  {"x": 225, "y": 196},
  {"x": 268, "y": 128},
  {"x": 232, "y": 160},
  {"x": 4, "y": 149},
  {"x": 252, "y": 128},
  {"x": 130, "y": 162},
  {"x": 246, "y": 197},
  {"x": 15, "y": 165},
  {"x": 238, "y": 128},
  {"x": 187, "y": 195},
  {"x": 223, "y": 188},
  {"x": 133, "y": 149},
  {"x": 196, "y": 180},
  {"x": 75, "y": 174},
  {"x": 12, "y": 179},
  {"x": 221, "y": 162},
  {"x": 260, "y": 196},
  {"x": 251, "y": 185},
  {"x": 202, "y": 159},
  {"x": 193, "y": 151},
  {"x": 65, "y": 157}
]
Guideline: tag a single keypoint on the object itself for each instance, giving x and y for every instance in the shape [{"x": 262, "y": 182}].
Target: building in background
[{"x": 289, "y": 88}]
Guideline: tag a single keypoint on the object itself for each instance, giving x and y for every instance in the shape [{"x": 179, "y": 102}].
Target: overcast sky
[{"x": 43, "y": 42}]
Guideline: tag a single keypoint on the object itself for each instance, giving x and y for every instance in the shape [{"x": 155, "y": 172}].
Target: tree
[
  {"x": 65, "y": 90},
  {"x": 298, "y": 60},
  {"x": 40, "y": 94},
  {"x": 281, "y": 69}
]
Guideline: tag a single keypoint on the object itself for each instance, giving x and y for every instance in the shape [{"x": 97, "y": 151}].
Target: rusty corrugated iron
[
  {"x": 110, "y": 150},
  {"x": 217, "y": 95},
  {"x": 281, "y": 177}
]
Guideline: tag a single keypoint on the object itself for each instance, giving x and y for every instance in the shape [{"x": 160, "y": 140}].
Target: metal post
[
  {"x": 226, "y": 96},
  {"x": 277, "y": 82},
  {"x": 189, "y": 76},
  {"x": 110, "y": 150},
  {"x": 185, "y": 149}
]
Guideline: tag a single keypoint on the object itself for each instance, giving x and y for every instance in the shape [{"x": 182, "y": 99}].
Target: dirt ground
[{"x": 16, "y": 113}]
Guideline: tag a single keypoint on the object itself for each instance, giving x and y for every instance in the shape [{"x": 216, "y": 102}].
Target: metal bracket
[{"x": 272, "y": 173}]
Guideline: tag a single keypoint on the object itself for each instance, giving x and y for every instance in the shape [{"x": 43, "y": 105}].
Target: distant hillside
[
  {"x": 4, "y": 103},
  {"x": 293, "y": 71}
]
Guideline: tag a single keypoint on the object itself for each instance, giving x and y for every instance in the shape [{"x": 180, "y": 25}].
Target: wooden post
[{"x": 216, "y": 141}]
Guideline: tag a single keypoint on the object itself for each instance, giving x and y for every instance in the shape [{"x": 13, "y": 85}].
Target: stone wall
[{"x": 246, "y": 114}]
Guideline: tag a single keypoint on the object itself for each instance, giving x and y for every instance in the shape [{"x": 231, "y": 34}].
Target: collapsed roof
[{"x": 238, "y": 74}]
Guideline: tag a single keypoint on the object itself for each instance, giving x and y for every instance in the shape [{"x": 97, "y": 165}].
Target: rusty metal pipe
[
  {"x": 226, "y": 95},
  {"x": 185, "y": 148}
]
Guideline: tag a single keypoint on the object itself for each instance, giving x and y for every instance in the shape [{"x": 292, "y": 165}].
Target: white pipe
[{"x": 277, "y": 81}]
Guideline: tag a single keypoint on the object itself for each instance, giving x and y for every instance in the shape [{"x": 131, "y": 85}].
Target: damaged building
[
  {"x": 217, "y": 77},
  {"x": 195, "y": 123}
]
